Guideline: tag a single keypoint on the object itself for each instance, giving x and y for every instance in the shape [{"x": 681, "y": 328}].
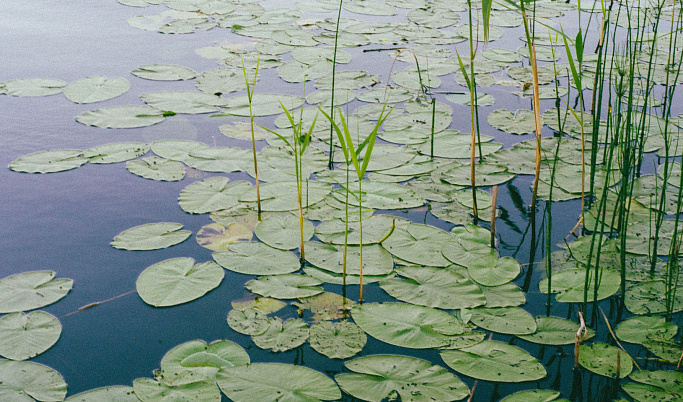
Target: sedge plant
[{"x": 250, "y": 95}]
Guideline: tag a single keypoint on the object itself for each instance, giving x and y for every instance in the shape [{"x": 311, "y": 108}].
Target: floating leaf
[
  {"x": 177, "y": 280},
  {"x": 249, "y": 321},
  {"x": 375, "y": 228},
  {"x": 384, "y": 377},
  {"x": 286, "y": 286},
  {"x": 26, "y": 381},
  {"x": 96, "y": 89},
  {"x": 376, "y": 259},
  {"x": 494, "y": 361},
  {"x": 434, "y": 287},
  {"x": 241, "y": 130},
  {"x": 25, "y": 336},
  {"x": 406, "y": 325},
  {"x": 155, "y": 168},
  {"x": 282, "y": 336},
  {"x": 33, "y": 87},
  {"x": 122, "y": 117},
  {"x": 643, "y": 329},
  {"x": 254, "y": 258},
  {"x": 261, "y": 104},
  {"x": 31, "y": 290},
  {"x": 115, "y": 152},
  {"x": 521, "y": 122},
  {"x": 282, "y": 196},
  {"x": 326, "y": 306},
  {"x": 658, "y": 385},
  {"x": 555, "y": 331},
  {"x": 184, "y": 101},
  {"x": 601, "y": 359},
  {"x": 164, "y": 72},
  {"x": 212, "y": 194},
  {"x": 195, "y": 358},
  {"x": 339, "y": 340},
  {"x": 419, "y": 244},
  {"x": 649, "y": 298},
  {"x": 504, "y": 320},
  {"x": 532, "y": 395},
  {"x": 151, "y": 236},
  {"x": 273, "y": 381},
  {"x": 283, "y": 232},
  {"x": 221, "y": 80},
  {"x": 217, "y": 237},
  {"x": 56, "y": 160},
  {"x": 113, "y": 393},
  {"x": 147, "y": 389},
  {"x": 569, "y": 284}
]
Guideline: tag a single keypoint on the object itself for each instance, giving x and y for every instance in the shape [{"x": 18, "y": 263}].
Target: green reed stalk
[
  {"x": 250, "y": 94},
  {"x": 334, "y": 73}
]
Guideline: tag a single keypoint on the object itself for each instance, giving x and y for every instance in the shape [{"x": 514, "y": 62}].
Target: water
[{"x": 65, "y": 221}]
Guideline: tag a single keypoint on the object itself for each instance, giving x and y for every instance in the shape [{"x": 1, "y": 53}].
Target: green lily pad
[
  {"x": 25, "y": 381},
  {"x": 272, "y": 381},
  {"x": 339, "y": 340},
  {"x": 282, "y": 196},
  {"x": 56, "y": 160},
  {"x": 569, "y": 284},
  {"x": 221, "y": 80},
  {"x": 282, "y": 336},
  {"x": 164, "y": 72},
  {"x": 419, "y": 244},
  {"x": 485, "y": 175},
  {"x": 384, "y": 377},
  {"x": 601, "y": 359},
  {"x": 325, "y": 306},
  {"x": 283, "y": 232},
  {"x": 642, "y": 329},
  {"x": 375, "y": 228},
  {"x": 191, "y": 102},
  {"x": 219, "y": 159},
  {"x": 195, "y": 359},
  {"x": 555, "y": 331},
  {"x": 285, "y": 286},
  {"x": 407, "y": 325},
  {"x": 376, "y": 260},
  {"x": 25, "y": 336},
  {"x": 370, "y": 7},
  {"x": 532, "y": 395},
  {"x": 96, "y": 89},
  {"x": 151, "y": 236},
  {"x": 115, "y": 152},
  {"x": 249, "y": 321},
  {"x": 177, "y": 150},
  {"x": 31, "y": 87},
  {"x": 521, "y": 122},
  {"x": 177, "y": 281},
  {"x": 31, "y": 290},
  {"x": 504, "y": 320},
  {"x": 122, "y": 117},
  {"x": 212, "y": 194},
  {"x": 262, "y": 104},
  {"x": 241, "y": 130},
  {"x": 660, "y": 385},
  {"x": 147, "y": 389},
  {"x": 466, "y": 100},
  {"x": 433, "y": 287},
  {"x": 155, "y": 168},
  {"x": 385, "y": 95},
  {"x": 113, "y": 393},
  {"x": 649, "y": 298},
  {"x": 217, "y": 237},
  {"x": 494, "y": 361},
  {"x": 254, "y": 258}
]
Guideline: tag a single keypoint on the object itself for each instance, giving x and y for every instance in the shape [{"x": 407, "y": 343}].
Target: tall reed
[{"x": 250, "y": 95}]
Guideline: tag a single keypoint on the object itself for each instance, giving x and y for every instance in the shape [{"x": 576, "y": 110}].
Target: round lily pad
[
  {"x": 155, "y": 168},
  {"x": 192, "y": 102},
  {"x": 31, "y": 290},
  {"x": 383, "y": 377},
  {"x": 217, "y": 237},
  {"x": 56, "y": 160},
  {"x": 601, "y": 358},
  {"x": 34, "y": 87},
  {"x": 286, "y": 286},
  {"x": 25, "y": 336},
  {"x": 555, "y": 331},
  {"x": 177, "y": 280},
  {"x": 494, "y": 361},
  {"x": 254, "y": 258},
  {"x": 376, "y": 259},
  {"x": 643, "y": 329},
  {"x": 151, "y": 236},
  {"x": 660, "y": 385},
  {"x": 147, "y": 389},
  {"x": 339, "y": 340},
  {"x": 419, "y": 244},
  {"x": 96, "y": 89},
  {"x": 196, "y": 358},
  {"x": 164, "y": 72},
  {"x": 533, "y": 395},
  {"x": 249, "y": 321},
  {"x": 375, "y": 228},
  {"x": 283, "y": 232},
  {"x": 26, "y": 381},
  {"x": 212, "y": 194},
  {"x": 282, "y": 336},
  {"x": 505, "y": 320},
  {"x": 115, "y": 152},
  {"x": 569, "y": 285},
  {"x": 273, "y": 381},
  {"x": 262, "y": 104},
  {"x": 113, "y": 393},
  {"x": 122, "y": 117}
]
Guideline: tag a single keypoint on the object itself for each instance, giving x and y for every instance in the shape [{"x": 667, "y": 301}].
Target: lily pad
[
  {"x": 282, "y": 336},
  {"x": 191, "y": 102},
  {"x": 31, "y": 87},
  {"x": 151, "y": 236},
  {"x": 56, "y": 160},
  {"x": 657, "y": 385},
  {"x": 282, "y": 196},
  {"x": 643, "y": 329},
  {"x": 419, "y": 244},
  {"x": 283, "y": 232},
  {"x": 649, "y": 298},
  {"x": 164, "y": 72},
  {"x": 384, "y": 377},
  {"x": 494, "y": 361},
  {"x": 339, "y": 340},
  {"x": 249, "y": 321},
  {"x": 521, "y": 122},
  {"x": 254, "y": 258},
  {"x": 555, "y": 331},
  {"x": 187, "y": 361},
  {"x": 212, "y": 194},
  {"x": 25, "y": 381},
  {"x": 325, "y": 306},
  {"x": 262, "y": 104},
  {"x": 375, "y": 228},
  {"x": 96, "y": 89},
  {"x": 25, "y": 336},
  {"x": 569, "y": 284},
  {"x": 122, "y": 117},
  {"x": 376, "y": 259},
  {"x": 407, "y": 325},
  {"x": 115, "y": 152},
  {"x": 113, "y": 393},
  {"x": 601, "y": 359},
  {"x": 31, "y": 290},
  {"x": 147, "y": 389},
  {"x": 273, "y": 381},
  {"x": 504, "y": 320},
  {"x": 217, "y": 237},
  {"x": 532, "y": 395},
  {"x": 177, "y": 280},
  {"x": 155, "y": 168},
  {"x": 286, "y": 286}
]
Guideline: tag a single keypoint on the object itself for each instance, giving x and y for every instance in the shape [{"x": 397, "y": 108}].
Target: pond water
[{"x": 65, "y": 222}]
